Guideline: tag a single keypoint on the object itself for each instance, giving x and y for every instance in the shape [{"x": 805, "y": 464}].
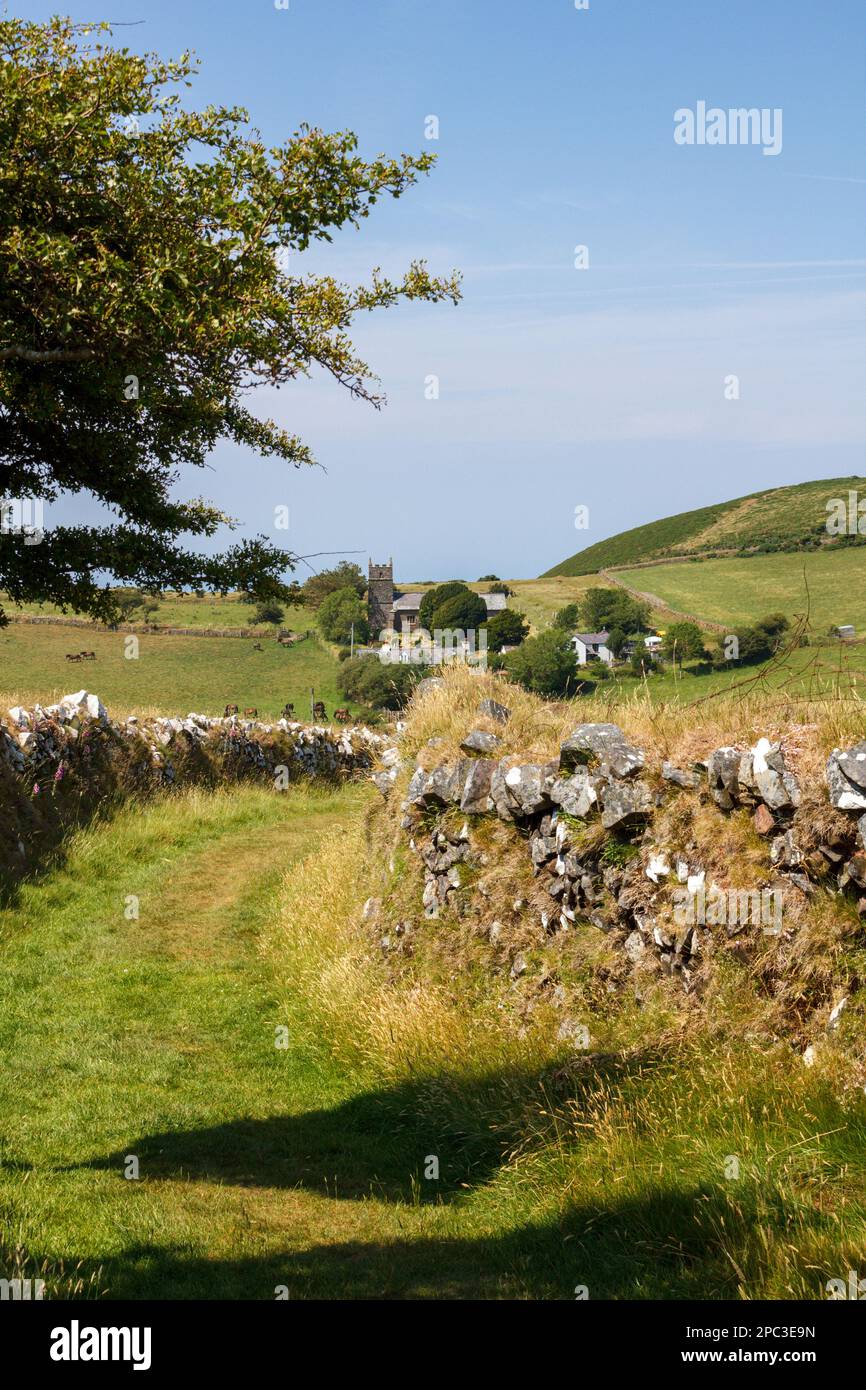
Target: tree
[
  {"x": 466, "y": 611},
  {"x": 343, "y": 576},
  {"x": 545, "y": 664},
  {"x": 506, "y": 629},
  {"x": 684, "y": 642},
  {"x": 758, "y": 642},
  {"x": 339, "y": 612},
  {"x": 616, "y": 641},
  {"x": 603, "y": 609},
  {"x": 567, "y": 617},
  {"x": 128, "y": 603},
  {"x": 268, "y": 613},
  {"x": 434, "y": 598},
  {"x": 501, "y": 588},
  {"x": 145, "y": 288}
]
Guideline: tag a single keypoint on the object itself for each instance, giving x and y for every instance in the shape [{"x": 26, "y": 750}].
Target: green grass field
[
  {"x": 172, "y": 675},
  {"x": 829, "y": 584},
  {"x": 187, "y": 610}
]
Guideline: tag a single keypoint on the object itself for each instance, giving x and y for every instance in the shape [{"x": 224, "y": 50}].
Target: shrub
[
  {"x": 545, "y": 664},
  {"x": 268, "y": 613},
  {"x": 379, "y": 684}
]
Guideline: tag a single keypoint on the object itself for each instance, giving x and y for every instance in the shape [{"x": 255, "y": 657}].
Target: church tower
[{"x": 380, "y": 597}]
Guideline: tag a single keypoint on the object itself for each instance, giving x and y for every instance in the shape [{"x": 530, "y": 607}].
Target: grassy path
[
  {"x": 155, "y": 1038},
  {"x": 263, "y": 1168}
]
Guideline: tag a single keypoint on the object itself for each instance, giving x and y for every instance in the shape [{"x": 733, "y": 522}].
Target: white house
[
  {"x": 652, "y": 644},
  {"x": 591, "y": 646}
]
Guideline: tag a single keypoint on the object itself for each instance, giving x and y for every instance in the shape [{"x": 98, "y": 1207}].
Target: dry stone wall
[
  {"x": 604, "y": 854},
  {"x": 60, "y": 762}
]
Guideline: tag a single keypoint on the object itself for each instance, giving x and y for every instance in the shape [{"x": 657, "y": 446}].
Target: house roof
[{"x": 592, "y": 639}]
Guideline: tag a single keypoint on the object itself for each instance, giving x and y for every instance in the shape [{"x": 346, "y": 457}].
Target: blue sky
[{"x": 559, "y": 387}]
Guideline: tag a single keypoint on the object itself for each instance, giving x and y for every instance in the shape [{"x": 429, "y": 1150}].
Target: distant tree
[
  {"x": 506, "y": 629},
  {"x": 684, "y": 642},
  {"x": 758, "y": 642},
  {"x": 268, "y": 613},
  {"x": 616, "y": 641},
  {"x": 567, "y": 617},
  {"x": 434, "y": 598},
  {"x": 489, "y": 579},
  {"x": 345, "y": 575},
  {"x": 603, "y": 609},
  {"x": 128, "y": 602},
  {"x": 466, "y": 611},
  {"x": 545, "y": 664},
  {"x": 501, "y": 588},
  {"x": 338, "y": 612}
]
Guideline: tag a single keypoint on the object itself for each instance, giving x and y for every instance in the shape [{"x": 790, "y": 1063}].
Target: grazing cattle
[
  {"x": 252, "y": 712},
  {"x": 257, "y": 647},
  {"x": 285, "y": 641},
  {"x": 88, "y": 656},
  {"x": 73, "y": 656},
  {"x": 229, "y": 710},
  {"x": 288, "y": 711},
  {"x": 319, "y": 710},
  {"x": 341, "y": 716}
]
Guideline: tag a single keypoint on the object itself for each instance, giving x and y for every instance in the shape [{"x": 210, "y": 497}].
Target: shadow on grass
[
  {"x": 380, "y": 1142},
  {"x": 663, "y": 1245}
]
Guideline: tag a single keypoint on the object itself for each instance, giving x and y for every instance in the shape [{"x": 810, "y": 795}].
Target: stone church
[{"x": 388, "y": 608}]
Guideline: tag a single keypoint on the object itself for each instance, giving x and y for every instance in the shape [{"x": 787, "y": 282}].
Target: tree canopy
[
  {"x": 339, "y": 613},
  {"x": 345, "y": 575},
  {"x": 147, "y": 286},
  {"x": 610, "y": 608},
  {"x": 506, "y": 629}
]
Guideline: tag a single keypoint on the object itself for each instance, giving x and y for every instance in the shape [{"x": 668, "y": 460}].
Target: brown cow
[
  {"x": 341, "y": 716},
  {"x": 252, "y": 712},
  {"x": 229, "y": 710},
  {"x": 288, "y": 711},
  {"x": 88, "y": 656},
  {"x": 319, "y": 710},
  {"x": 73, "y": 656}
]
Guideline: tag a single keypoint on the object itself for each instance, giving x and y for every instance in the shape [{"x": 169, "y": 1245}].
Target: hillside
[
  {"x": 828, "y": 584},
  {"x": 778, "y": 519}
]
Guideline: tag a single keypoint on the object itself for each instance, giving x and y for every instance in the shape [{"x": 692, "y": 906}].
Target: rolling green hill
[
  {"x": 828, "y": 585},
  {"x": 778, "y": 519}
]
